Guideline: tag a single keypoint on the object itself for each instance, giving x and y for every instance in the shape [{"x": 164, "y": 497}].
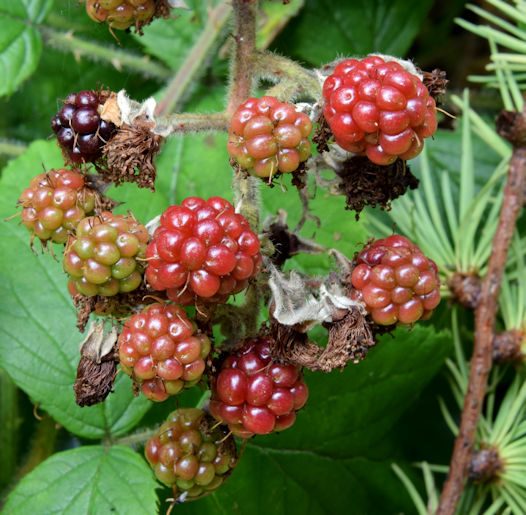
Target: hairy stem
[
  {"x": 245, "y": 43},
  {"x": 11, "y": 149},
  {"x": 193, "y": 63},
  {"x": 137, "y": 438},
  {"x": 192, "y": 122},
  {"x": 247, "y": 187},
  {"x": 267, "y": 64},
  {"x": 485, "y": 315},
  {"x": 285, "y": 91},
  {"x": 117, "y": 57}
]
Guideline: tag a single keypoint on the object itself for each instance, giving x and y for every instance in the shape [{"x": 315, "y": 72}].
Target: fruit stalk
[
  {"x": 278, "y": 67},
  {"x": 485, "y": 315}
]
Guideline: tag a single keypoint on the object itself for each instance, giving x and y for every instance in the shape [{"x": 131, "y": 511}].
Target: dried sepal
[
  {"x": 97, "y": 367},
  {"x": 296, "y": 303},
  {"x": 130, "y": 154},
  {"x": 350, "y": 338}
]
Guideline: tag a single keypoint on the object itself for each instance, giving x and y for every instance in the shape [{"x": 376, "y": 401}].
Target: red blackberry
[
  {"x": 268, "y": 136},
  {"x": 54, "y": 204},
  {"x": 105, "y": 257},
  {"x": 121, "y": 14},
  {"x": 255, "y": 395},
  {"x": 377, "y": 108},
  {"x": 162, "y": 350},
  {"x": 80, "y": 130},
  {"x": 191, "y": 453},
  {"x": 397, "y": 283},
  {"x": 202, "y": 251}
]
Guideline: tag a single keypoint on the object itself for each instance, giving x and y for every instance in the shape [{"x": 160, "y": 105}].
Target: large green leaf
[
  {"x": 87, "y": 480},
  {"x": 20, "y": 41},
  {"x": 38, "y": 339},
  {"x": 325, "y": 30}
]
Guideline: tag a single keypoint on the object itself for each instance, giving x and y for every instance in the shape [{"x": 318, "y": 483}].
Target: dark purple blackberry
[
  {"x": 55, "y": 124},
  {"x": 65, "y": 114},
  {"x": 87, "y": 98},
  {"x": 80, "y": 131},
  {"x": 88, "y": 143},
  {"x": 66, "y": 137},
  {"x": 85, "y": 120}
]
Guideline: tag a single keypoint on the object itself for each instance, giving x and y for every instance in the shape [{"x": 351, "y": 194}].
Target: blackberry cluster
[
  {"x": 104, "y": 258},
  {"x": 162, "y": 350},
  {"x": 397, "y": 283},
  {"x": 268, "y": 136},
  {"x": 80, "y": 131},
  {"x": 202, "y": 251},
  {"x": 191, "y": 453},
  {"x": 255, "y": 395},
  {"x": 379, "y": 109},
  {"x": 54, "y": 204},
  {"x": 121, "y": 14}
]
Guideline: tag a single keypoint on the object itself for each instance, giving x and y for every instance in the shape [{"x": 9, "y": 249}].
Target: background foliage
[{"x": 356, "y": 423}]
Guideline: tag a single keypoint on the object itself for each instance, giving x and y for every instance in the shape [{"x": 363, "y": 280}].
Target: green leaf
[
  {"x": 38, "y": 339},
  {"x": 20, "y": 43},
  {"x": 87, "y": 480},
  {"x": 31, "y": 10},
  {"x": 353, "y": 28}
]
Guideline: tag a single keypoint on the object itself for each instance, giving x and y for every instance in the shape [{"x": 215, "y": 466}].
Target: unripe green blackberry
[
  {"x": 104, "y": 258},
  {"x": 162, "y": 350},
  {"x": 191, "y": 453},
  {"x": 54, "y": 204},
  {"x": 121, "y": 14}
]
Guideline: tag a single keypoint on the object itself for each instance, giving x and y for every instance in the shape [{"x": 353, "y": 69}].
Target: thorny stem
[
  {"x": 117, "y": 57},
  {"x": 194, "y": 61},
  {"x": 485, "y": 315}
]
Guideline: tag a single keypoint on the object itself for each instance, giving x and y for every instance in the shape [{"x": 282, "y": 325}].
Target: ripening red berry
[
  {"x": 54, "y": 204},
  {"x": 254, "y": 395},
  {"x": 202, "y": 251},
  {"x": 375, "y": 107},
  {"x": 162, "y": 350},
  {"x": 397, "y": 283},
  {"x": 268, "y": 136}
]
